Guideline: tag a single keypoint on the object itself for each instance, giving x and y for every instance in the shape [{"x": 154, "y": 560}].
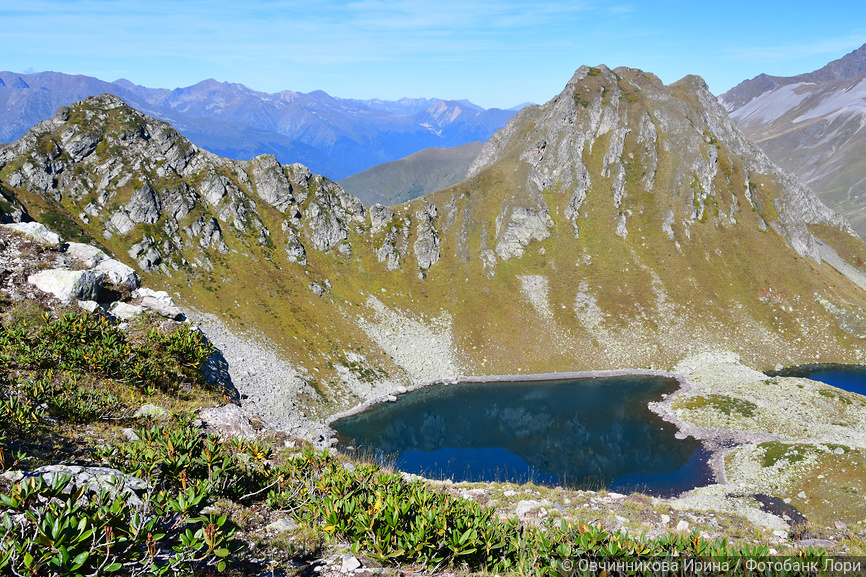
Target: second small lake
[
  {"x": 588, "y": 433},
  {"x": 850, "y": 378}
]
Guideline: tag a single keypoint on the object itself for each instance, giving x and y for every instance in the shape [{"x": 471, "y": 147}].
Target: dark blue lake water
[
  {"x": 846, "y": 377},
  {"x": 588, "y": 433}
]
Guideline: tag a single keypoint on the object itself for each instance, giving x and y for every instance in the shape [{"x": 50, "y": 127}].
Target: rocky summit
[{"x": 624, "y": 223}]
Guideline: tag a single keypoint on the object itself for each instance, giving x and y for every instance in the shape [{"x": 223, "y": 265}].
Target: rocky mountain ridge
[
  {"x": 623, "y": 224},
  {"x": 812, "y": 125},
  {"x": 331, "y": 135}
]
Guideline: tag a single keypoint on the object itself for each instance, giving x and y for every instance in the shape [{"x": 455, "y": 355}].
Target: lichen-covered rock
[
  {"x": 69, "y": 284},
  {"x": 36, "y": 231},
  {"x": 125, "y": 311}
]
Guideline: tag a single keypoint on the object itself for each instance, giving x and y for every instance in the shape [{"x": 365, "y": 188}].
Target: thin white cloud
[{"x": 793, "y": 51}]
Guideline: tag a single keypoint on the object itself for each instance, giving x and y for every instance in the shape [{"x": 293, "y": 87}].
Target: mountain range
[
  {"x": 814, "y": 125},
  {"x": 624, "y": 223},
  {"x": 335, "y": 136}
]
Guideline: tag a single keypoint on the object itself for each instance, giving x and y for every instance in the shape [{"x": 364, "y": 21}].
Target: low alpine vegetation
[{"x": 193, "y": 490}]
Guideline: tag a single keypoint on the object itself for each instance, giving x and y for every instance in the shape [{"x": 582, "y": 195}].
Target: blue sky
[{"x": 495, "y": 53}]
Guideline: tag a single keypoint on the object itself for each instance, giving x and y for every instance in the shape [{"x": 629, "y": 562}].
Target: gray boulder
[
  {"x": 125, "y": 311},
  {"x": 88, "y": 255},
  {"x": 69, "y": 284},
  {"x": 228, "y": 421},
  {"x": 119, "y": 273}
]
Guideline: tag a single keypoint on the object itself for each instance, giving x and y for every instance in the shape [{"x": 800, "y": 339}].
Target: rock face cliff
[{"x": 623, "y": 224}]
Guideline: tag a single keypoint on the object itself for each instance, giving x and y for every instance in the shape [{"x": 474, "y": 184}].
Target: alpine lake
[
  {"x": 583, "y": 433},
  {"x": 587, "y": 433}
]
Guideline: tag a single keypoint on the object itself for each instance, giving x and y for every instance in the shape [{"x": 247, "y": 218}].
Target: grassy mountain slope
[
  {"x": 623, "y": 224},
  {"x": 418, "y": 174}
]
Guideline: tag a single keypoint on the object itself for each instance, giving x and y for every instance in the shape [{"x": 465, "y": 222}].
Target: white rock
[
  {"x": 229, "y": 420},
  {"x": 780, "y": 534},
  {"x": 163, "y": 309},
  {"x": 665, "y": 519},
  {"x": 801, "y": 494},
  {"x": 125, "y": 311},
  {"x": 509, "y": 493},
  {"x": 525, "y": 506},
  {"x": 119, "y": 273},
  {"x": 161, "y": 296},
  {"x": 683, "y": 525},
  {"x": 349, "y": 563},
  {"x": 88, "y": 255},
  {"x": 68, "y": 284},
  {"x": 89, "y": 306},
  {"x": 35, "y": 231}
]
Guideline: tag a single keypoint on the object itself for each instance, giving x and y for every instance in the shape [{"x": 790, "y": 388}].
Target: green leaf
[
  {"x": 80, "y": 559},
  {"x": 221, "y": 552}
]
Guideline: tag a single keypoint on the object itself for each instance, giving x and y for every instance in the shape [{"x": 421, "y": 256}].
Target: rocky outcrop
[
  {"x": 427, "y": 242},
  {"x": 379, "y": 217},
  {"x": 523, "y": 226}
]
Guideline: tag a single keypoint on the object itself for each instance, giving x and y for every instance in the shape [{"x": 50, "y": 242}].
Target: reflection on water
[{"x": 588, "y": 433}]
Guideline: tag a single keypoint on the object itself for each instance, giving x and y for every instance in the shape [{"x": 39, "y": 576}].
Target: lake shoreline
[
  {"x": 713, "y": 442},
  {"x": 718, "y": 442}
]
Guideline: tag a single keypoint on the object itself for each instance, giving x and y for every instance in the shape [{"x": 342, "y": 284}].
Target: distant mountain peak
[
  {"x": 812, "y": 124},
  {"x": 851, "y": 65}
]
